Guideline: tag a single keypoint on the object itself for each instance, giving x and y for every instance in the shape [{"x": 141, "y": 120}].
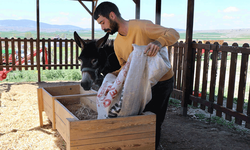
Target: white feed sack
[{"x": 129, "y": 92}]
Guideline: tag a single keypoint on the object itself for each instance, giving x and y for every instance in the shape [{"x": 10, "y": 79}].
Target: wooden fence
[{"x": 219, "y": 85}]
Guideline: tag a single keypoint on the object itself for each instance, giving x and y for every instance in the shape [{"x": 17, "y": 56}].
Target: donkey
[{"x": 97, "y": 59}]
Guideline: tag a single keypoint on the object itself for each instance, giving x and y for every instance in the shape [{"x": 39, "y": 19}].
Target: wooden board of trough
[{"x": 123, "y": 133}]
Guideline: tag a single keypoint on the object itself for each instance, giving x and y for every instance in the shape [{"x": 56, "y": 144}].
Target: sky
[{"x": 208, "y": 15}]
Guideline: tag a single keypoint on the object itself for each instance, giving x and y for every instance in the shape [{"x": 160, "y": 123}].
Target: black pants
[{"x": 159, "y": 103}]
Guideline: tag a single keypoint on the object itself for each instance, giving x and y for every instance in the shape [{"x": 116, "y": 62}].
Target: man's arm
[{"x": 163, "y": 37}]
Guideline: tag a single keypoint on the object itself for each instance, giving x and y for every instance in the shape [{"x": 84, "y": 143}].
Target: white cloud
[
  {"x": 231, "y": 9},
  {"x": 228, "y": 17},
  {"x": 86, "y": 19},
  {"x": 167, "y": 15}
]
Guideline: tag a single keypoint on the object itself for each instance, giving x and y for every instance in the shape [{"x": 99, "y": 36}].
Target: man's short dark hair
[{"x": 105, "y": 8}]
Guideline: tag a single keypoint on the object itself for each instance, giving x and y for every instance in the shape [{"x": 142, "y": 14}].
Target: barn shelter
[
  {"x": 195, "y": 74},
  {"x": 189, "y": 27}
]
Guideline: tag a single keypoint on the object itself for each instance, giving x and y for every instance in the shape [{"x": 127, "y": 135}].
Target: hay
[
  {"x": 19, "y": 121},
  {"x": 85, "y": 113}
]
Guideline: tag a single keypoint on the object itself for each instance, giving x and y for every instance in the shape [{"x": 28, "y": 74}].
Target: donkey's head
[{"x": 95, "y": 61}]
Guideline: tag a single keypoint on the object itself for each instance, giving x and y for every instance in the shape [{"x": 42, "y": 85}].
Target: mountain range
[{"x": 30, "y": 25}]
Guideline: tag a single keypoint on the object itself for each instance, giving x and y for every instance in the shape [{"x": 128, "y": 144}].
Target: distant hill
[{"x": 29, "y": 25}]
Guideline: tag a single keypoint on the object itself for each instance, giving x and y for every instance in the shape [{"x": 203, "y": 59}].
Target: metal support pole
[
  {"x": 38, "y": 41},
  {"x": 158, "y": 12},
  {"x": 137, "y": 8}
]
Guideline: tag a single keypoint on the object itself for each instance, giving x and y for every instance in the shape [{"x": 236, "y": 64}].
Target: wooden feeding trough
[{"x": 123, "y": 133}]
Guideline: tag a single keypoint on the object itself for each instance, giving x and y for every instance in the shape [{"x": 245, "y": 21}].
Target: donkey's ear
[
  {"x": 79, "y": 40},
  {"x": 102, "y": 41}
]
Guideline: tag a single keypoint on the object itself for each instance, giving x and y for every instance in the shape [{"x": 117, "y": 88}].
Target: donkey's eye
[{"x": 94, "y": 61}]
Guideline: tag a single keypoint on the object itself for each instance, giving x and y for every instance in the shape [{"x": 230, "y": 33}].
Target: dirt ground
[{"x": 19, "y": 125}]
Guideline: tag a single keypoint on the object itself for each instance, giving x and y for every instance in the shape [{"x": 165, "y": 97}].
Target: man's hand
[{"x": 153, "y": 48}]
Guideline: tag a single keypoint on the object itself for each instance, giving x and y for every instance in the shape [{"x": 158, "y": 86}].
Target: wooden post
[
  {"x": 40, "y": 105},
  {"x": 38, "y": 41},
  {"x": 93, "y": 23},
  {"x": 137, "y": 8},
  {"x": 242, "y": 84},
  {"x": 189, "y": 61},
  {"x": 158, "y": 12}
]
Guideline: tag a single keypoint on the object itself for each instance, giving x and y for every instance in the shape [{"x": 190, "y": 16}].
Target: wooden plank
[
  {"x": 197, "y": 75},
  {"x": 19, "y": 53},
  {"x": 170, "y": 54},
  {"x": 66, "y": 54},
  {"x": 13, "y": 54},
  {"x": 205, "y": 77},
  {"x": 63, "y": 90},
  {"x": 25, "y": 53},
  {"x": 60, "y": 52},
  {"x": 77, "y": 54},
  {"x": 53, "y": 114},
  {"x": 55, "y": 54},
  {"x": 88, "y": 101},
  {"x": 222, "y": 80},
  {"x": 75, "y": 95},
  {"x": 93, "y": 141},
  {"x": 47, "y": 97},
  {"x": 242, "y": 84},
  {"x": 43, "y": 56},
  {"x": 6, "y": 54},
  {"x": 180, "y": 67},
  {"x": 176, "y": 51},
  {"x": 85, "y": 129},
  {"x": 48, "y": 110},
  {"x": 177, "y": 93},
  {"x": 49, "y": 53},
  {"x": 40, "y": 105},
  {"x": 231, "y": 85},
  {"x": 61, "y": 113},
  {"x": 233, "y": 49},
  {"x": 137, "y": 144},
  {"x": 248, "y": 111},
  {"x": 48, "y": 105},
  {"x": 32, "y": 53},
  {"x": 213, "y": 77},
  {"x": 1, "y": 59},
  {"x": 71, "y": 53}
]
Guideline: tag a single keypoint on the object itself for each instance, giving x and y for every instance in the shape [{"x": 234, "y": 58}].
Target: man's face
[{"x": 108, "y": 25}]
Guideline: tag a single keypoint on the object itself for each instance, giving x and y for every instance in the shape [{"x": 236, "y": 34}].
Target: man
[{"x": 140, "y": 32}]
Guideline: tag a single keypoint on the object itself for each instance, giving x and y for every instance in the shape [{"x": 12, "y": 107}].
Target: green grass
[{"x": 46, "y": 75}]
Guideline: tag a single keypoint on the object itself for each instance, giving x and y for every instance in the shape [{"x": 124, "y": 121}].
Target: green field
[{"x": 229, "y": 36}]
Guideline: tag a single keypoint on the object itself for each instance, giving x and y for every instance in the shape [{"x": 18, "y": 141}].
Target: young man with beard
[{"x": 140, "y": 32}]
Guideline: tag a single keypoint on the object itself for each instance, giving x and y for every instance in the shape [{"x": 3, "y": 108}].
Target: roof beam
[{"x": 85, "y": 7}]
